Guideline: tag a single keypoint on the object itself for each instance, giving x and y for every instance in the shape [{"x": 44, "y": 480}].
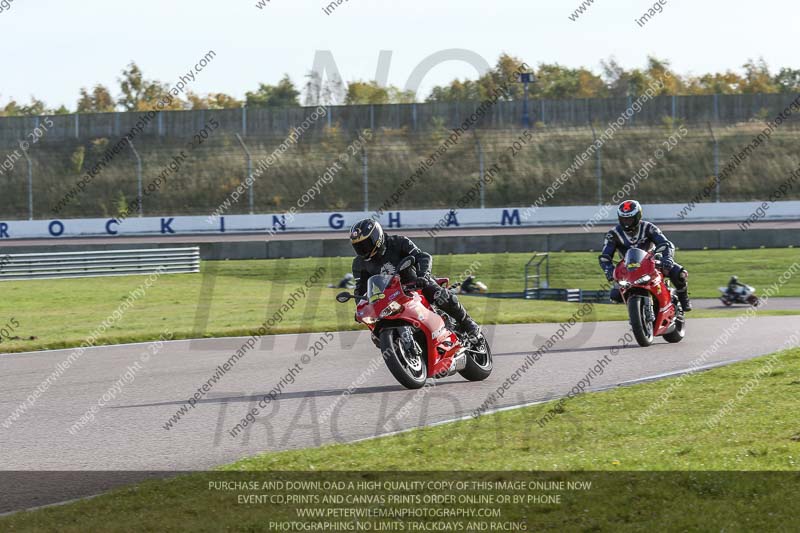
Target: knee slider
[
  {"x": 679, "y": 280},
  {"x": 446, "y": 296}
]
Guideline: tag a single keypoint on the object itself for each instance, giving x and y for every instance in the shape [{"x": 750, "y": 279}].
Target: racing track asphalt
[{"x": 129, "y": 431}]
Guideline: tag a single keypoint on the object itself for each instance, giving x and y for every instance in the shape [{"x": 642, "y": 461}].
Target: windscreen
[
  {"x": 376, "y": 285},
  {"x": 634, "y": 258}
]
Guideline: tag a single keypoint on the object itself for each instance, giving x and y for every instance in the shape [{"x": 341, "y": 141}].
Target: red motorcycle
[
  {"x": 417, "y": 340},
  {"x": 653, "y": 306}
]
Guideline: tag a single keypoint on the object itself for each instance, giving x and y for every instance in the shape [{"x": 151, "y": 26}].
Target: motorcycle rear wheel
[
  {"x": 410, "y": 370},
  {"x": 641, "y": 329},
  {"x": 678, "y": 333},
  {"x": 479, "y": 362}
]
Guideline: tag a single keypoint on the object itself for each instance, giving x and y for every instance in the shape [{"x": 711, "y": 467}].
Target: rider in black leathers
[
  {"x": 633, "y": 232},
  {"x": 734, "y": 285},
  {"x": 378, "y": 253}
]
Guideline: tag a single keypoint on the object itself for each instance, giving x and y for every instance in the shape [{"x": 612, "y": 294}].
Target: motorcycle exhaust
[{"x": 458, "y": 363}]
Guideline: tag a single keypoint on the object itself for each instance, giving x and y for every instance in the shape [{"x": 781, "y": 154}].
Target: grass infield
[{"x": 232, "y": 298}]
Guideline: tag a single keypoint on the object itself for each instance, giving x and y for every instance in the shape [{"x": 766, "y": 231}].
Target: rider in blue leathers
[{"x": 633, "y": 232}]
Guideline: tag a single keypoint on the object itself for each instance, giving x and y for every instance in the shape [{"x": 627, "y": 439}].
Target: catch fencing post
[
  {"x": 630, "y": 104},
  {"x": 249, "y": 159},
  {"x": 140, "y": 194},
  {"x": 30, "y": 183},
  {"x": 372, "y": 117},
  {"x": 481, "y": 168},
  {"x": 715, "y": 144},
  {"x": 674, "y": 110},
  {"x": 365, "y": 168},
  {"x": 599, "y": 170}
]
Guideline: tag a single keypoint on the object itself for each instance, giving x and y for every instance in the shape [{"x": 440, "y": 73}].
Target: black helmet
[
  {"x": 629, "y": 214},
  {"x": 734, "y": 279},
  {"x": 367, "y": 238}
]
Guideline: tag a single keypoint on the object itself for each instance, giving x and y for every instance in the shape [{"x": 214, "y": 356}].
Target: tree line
[{"x": 552, "y": 81}]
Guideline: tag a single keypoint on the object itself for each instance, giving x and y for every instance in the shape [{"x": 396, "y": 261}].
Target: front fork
[
  {"x": 407, "y": 338},
  {"x": 649, "y": 314},
  {"x": 648, "y": 310}
]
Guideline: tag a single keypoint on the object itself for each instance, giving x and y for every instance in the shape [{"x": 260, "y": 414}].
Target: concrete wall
[{"x": 431, "y": 221}]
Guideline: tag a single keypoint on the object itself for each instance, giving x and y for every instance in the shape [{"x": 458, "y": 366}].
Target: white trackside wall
[{"x": 431, "y": 220}]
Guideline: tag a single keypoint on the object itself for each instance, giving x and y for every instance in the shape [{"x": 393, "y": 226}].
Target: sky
[{"x": 51, "y": 49}]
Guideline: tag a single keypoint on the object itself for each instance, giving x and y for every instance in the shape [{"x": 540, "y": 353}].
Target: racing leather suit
[
  {"x": 733, "y": 287},
  {"x": 396, "y": 249}
]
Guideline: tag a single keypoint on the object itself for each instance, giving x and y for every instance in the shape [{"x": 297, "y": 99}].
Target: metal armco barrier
[
  {"x": 566, "y": 295},
  {"x": 99, "y": 263}
]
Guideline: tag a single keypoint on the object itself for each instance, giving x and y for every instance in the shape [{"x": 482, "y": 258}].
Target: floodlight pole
[{"x": 526, "y": 78}]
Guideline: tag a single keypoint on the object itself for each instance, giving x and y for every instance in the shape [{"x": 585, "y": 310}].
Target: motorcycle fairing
[{"x": 442, "y": 344}]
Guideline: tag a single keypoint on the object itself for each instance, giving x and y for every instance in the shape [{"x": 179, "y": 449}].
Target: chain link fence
[
  {"x": 197, "y": 177},
  {"x": 726, "y": 109}
]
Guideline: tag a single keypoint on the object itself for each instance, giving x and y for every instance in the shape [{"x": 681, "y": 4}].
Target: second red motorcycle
[{"x": 653, "y": 306}]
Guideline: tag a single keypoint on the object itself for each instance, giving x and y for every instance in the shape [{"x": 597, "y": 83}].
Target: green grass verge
[
  {"x": 601, "y": 431},
  {"x": 237, "y": 296},
  {"x": 595, "y": 432}
]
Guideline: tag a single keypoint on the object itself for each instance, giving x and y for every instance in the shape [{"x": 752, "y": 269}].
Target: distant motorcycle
[
  {"x": 347, "y": 282},
  {"x": 471, "y": 286},
  {"x": 741, "y": 295}
]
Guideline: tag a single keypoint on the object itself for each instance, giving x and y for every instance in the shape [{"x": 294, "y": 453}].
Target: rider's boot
[
  {"x": 683, "y": 298},
  {"x": 678, "y": 275},
  {"x": 470, "y": 328},
  {"x": 448, "y": 302}
]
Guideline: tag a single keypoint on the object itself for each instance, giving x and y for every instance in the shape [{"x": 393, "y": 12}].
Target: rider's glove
[
  {"x": 408, "y": 275},
  {"x": 667, "y": 263}
]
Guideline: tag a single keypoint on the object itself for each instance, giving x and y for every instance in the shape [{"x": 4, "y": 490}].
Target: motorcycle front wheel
[
  {"x": 409, "y": 369},
  {"x": 642, "y": 329}
]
